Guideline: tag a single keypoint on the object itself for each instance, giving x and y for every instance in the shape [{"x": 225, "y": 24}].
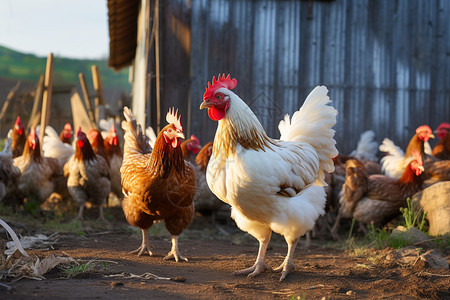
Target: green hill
[{"x": 28, "y": 67}]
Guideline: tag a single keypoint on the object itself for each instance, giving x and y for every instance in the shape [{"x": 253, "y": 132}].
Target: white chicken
[
  {"x": 53, "y": 146},
  {"x": 271, "y": 185}
]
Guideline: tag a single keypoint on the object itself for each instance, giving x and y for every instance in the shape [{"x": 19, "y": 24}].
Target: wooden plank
[
  {"x": 99, "y": 99},
  {"x": 10, "y": 96},
  {"x": 158, "y": 78},
  {"x": 87, "y": 99},
  {"x": 37, "y": 103},
  {"x": 47, "y": 97},
  {"x": 79, "y": 114}
]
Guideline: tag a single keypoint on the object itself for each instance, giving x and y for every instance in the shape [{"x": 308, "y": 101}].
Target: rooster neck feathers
[
  {"x": 85, "y": 152},
  {"x": 240, "y": 125}
]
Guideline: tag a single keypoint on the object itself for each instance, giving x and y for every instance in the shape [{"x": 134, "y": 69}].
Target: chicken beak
[
  {"x": 432, "y": 136},
  {"x": 422, "y": 168},
  {"x": 205, "y": 104},
  {"x": 180, "y": 135}
]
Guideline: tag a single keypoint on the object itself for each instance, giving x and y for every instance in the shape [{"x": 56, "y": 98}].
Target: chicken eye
[
  {"x": 169, "y": 130},
  {"x": 218, "y": 96}
]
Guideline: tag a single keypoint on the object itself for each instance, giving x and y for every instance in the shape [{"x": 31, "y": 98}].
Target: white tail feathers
[
  {"x": 367, "y": 147},
  {"x": 313, "y": 124},
  {"x": 388, "y": 146},
  {"x": 392, "y": 163}
]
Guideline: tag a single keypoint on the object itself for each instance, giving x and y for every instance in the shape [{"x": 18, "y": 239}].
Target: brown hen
[
  {"x": 157, "y": 185},
  {"x": 376, "y": 198},
  {"x": 87, "y": 176}
]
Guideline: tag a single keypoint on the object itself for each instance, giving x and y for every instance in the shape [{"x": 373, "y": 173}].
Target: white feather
[
  {"x": 367, "y": 147},
  {"x": 150, "y": 133},
  {"x": 392, "y": 163}
]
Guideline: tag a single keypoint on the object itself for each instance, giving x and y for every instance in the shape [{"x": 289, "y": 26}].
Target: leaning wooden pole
[
  {"x": 47, "y": 98},
  {"x": 33, "y": 121},
  {"x": 10, "y": 96},
  {"x": 87, "y": 99},
  {"x": 158, "y": 80},
  {"x": 99, "y": 99}
]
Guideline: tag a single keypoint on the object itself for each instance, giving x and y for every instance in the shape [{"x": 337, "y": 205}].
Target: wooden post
[
  {"x": 158, "y": 81},
  {"x": 79, "y": 114},
  {"x": 99, "y": 99},
  {"x": 10, "y": 96},
  {"x": 47, "y": 98},
  {"x": 33, "y": 121},
  {"x": 87, "y": 100}
]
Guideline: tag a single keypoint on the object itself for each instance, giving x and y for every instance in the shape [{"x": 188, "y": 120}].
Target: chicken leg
[
  {"x": 145, "y": 246},
  {"x": 260, "y": 265},
  {"x": 288, "y": 265},
  {"x": 175, "y": 253}
]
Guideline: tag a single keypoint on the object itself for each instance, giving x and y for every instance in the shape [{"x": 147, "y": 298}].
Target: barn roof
[{"x": 123, "y": 16}]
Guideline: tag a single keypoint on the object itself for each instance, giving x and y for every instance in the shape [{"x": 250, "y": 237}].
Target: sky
[{"x": 67, "y": 28}]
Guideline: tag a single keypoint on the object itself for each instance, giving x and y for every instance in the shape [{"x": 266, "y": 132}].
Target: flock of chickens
[{"x": 272, "y": 185}]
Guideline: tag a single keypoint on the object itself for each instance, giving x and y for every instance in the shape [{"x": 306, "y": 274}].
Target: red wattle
[{"x": 216, "y": 114}]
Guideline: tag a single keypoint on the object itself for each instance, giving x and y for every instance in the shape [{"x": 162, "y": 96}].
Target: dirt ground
[{"x": 323, "y": 271}]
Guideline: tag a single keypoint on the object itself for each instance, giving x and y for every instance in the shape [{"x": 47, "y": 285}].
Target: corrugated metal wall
[{"x": 386, "y": 62}]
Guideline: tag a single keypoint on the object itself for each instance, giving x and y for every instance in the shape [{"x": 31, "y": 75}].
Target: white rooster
[{"x": 271, "y": 185}]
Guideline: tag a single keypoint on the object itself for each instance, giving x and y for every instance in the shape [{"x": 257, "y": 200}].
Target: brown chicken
[
  {"x": 395, "y": 162},
  {"x": 9, "y": 173},
  {"x": 205, "y": 201},
  {"x": 39, "y": 174},
  {"x": 442, "y": 149},
  {"x": 97, "y": 143},
  {"x": 19, "y": 138},
  {"x": 115, "y": 158},
  {"x": 376, "y": 198},
  {"x": 87, "y": 176},
  {"x": 190, "y": 148},
  {"x": 66, "y": 134},
  {"x": 159, "y": 185}
]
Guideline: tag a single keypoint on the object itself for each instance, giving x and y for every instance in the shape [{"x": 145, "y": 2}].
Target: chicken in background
[
  {"x": 19, "y": 138},
  {"x": 115, "y": 158},
  {"x": 442, "y": 149},
  {"x": 40, "y": 176},
  {"x": 271, "y": 185},
  {"x": 158, "y": 184},
  {"x": 205, "y": 201},
  {"x": 97, "y": 143},
  {"x": 395, "y": 161},
  {"x": 190, "y": 148},
  {"x": 377, "y": 198},
  {"x": 9, "y": 173},
  {"x": 87, "y": 176},
  {"x": 57, "y": 146},
  {"x": 66, "y": 134}
]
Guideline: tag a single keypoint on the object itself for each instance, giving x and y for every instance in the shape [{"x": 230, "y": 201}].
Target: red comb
[
  {"x": 194, "y": 138},
  {"x": 113, "y": 127},
  {"x": 221, "y": 82},
  {"x": 67, "y": 126},
  {"x": 79, "y": 131},
  {"x": 18, "y": 120},
  {"x": 443, "y": 126},
  {"x": 423, "y": 128}
]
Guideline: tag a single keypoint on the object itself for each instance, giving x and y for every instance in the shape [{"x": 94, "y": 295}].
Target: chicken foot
[
  {"x": 260, "y": 265},
  {"x": 175, "y": 253},
  {"x": 145, "y": 246},
  {"x": 288, "y": 265}
]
